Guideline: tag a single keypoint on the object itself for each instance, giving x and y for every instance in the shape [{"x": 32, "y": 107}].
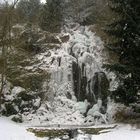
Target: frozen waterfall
[{"x": 78, "y": 88}]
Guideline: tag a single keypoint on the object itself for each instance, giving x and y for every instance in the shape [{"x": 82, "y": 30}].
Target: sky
[{"x": 43, "y": 1}]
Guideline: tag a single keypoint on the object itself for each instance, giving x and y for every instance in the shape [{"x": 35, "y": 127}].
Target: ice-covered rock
[
  {"x": 17, "y": 90},
  {"x": 78, "y": 85},
  {"x": 82, "y": 106},
  {"x": 66, "y": 75}
]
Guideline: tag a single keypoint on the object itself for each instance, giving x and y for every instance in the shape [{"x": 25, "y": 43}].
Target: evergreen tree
[
  {"x": 28, "y": 10},
  {"x": 51, "y": 16},
  {"x": 78, "y": 11},
  {"x": 126, "y": 30}
]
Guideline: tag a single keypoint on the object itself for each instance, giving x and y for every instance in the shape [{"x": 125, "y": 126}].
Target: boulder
[
  {"x": 65, "y": 38},
  {"x": 82, "y": 107},
  {"x": 17, "y": 119},
  {"x": 52, "y": 38},
  {"x": 10, "y": 109},
  {"x": 18, "y": 90},
  {"x": 100, "y": 86}
]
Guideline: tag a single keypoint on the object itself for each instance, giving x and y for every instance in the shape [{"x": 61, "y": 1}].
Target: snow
[
  {"x": 95, "y": 108},
  {"x": 12, "y": 131},
  {"x": 122, "y": 133},
  {"x": 82, "y": 106},
  {"x": 14, "y": 92},
  {"x": 17, "y": 90},
  {"x": 43, "y": 1}
]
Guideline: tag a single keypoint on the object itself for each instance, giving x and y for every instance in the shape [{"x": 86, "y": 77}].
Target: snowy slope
[
  {"x": 13, "y": 131},
  {"x": 120, "y": 133}
]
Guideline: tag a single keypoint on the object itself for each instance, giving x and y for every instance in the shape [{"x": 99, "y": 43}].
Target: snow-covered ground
[
  {"x": 12, "y": 131},
  {"x": 121, "y": 133}
]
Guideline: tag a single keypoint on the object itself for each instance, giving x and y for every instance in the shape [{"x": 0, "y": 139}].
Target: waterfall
[{"x": 78, "y": 90}]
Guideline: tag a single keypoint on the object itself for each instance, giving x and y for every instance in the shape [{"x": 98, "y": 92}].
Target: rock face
[
  {"x": 100, "y": 87},
  {"x": 78, "y": 83},
  {"x": 64, "y": 82},
  {"x": 92, "y": 90},
  {"x": 19, "y": 101}
]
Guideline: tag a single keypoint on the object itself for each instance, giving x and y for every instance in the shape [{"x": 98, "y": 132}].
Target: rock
[
  {"x": 52, "y": 38},
  {"x": 76, "y": 76},
  {"x": 51, "y": 46},
  {"x": 18, "y": 90},
  {"x": 32, "y": 81},
  {"x": 37, "y": 103},
  {"x": 17, "y": 101},
  {"x": 26, "y": 96},
  {"x": 72, "y": 133},
  {"x": 96, "y": 118},
  {"x": 66, "y": 137},
  {"x": 65, "y": 38},
  {"x": 28, "y": 40},
  {"x": 68, "y": 95},
  {"x": 100, "y": 87},
  {"x": 17, "y": 119},
  {"x": 10, "y": 109},
  {"x": 82, "y": 107},
  {"x": 21, "y": 94},
  {"x": 95, "y": 108}
]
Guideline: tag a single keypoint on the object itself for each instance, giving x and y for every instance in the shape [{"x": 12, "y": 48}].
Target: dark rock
[
  {"x": 65, "y": 38},
  {"x": 76, "y": 78},
  {"x": 66, "y": 137},
  {"x": 32, "y": 81},
  {"x": 17, "y": 118},
  {"x": 93, "y": 90},
  {"x": 69, "y": 96},
  {"x": 97, "y": 86},
  {"x": 100, "y": 86},
  {"x": 51, "y": 38},
  {"x": 72, "y": 133},
  {"x": 17, "y": 101},
  {"x": 10, "y": 109},
  {"x": 100, "y": 89},
  {"x": 26, "y": 96}
]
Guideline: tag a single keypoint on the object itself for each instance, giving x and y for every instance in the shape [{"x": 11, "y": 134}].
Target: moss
[
  {"x": 17, "y": 119},
  {"x": 18, "y": 75},
  {"x": 31, "y": 81},
  {"x": 53, "y": 133},
  {"x": 48, "y": 133},
  {"x": 122, "y": 116},
  {"x": 96, "y": 131},
  {"x": 1, "y": 64}
]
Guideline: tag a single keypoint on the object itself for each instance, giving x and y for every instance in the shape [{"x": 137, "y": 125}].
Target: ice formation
[{"x": 78, "y": 85}]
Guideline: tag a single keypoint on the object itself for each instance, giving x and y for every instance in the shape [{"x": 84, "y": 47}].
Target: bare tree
[{"x": 6, "y": 13}]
